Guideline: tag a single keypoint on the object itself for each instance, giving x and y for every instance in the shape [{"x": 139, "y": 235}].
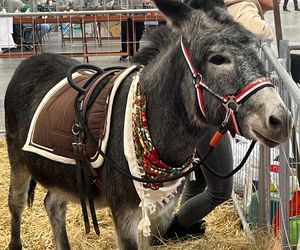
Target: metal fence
[
  {"x": 82, "y": 33},
  {"x": 268, "y": 186},
  {"x": 73, "y": 5},
  {"x": 112, "y": 32}
]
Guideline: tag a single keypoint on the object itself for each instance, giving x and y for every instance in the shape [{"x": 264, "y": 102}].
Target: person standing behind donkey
[
  {"x": 138, "y": 32},
  {"x": 251, "y": 15}
]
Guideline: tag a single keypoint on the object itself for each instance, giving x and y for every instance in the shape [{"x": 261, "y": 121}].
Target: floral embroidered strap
[{"x": 147, "y": 155}]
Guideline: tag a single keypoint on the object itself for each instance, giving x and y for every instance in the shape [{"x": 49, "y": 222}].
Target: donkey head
[{"x": 225, "y": 55}]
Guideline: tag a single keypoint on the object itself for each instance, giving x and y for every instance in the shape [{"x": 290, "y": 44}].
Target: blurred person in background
[
  {"x": 138, "y": 32},
  {"x": 250, "y": 14},
  {"x": 41, "y": 29}
]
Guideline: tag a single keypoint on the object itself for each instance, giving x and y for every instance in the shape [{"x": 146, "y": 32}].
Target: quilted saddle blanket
[{"x": 50, "y": 134}]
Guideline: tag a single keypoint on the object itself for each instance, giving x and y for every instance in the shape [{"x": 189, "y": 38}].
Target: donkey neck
[{"x": 172, "y": 135}]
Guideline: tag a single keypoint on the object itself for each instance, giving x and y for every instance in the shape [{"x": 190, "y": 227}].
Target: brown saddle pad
[{"x": 53, "y": 128}]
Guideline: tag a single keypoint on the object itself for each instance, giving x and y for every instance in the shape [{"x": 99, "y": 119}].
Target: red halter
[{"x": 230, "y": 102}]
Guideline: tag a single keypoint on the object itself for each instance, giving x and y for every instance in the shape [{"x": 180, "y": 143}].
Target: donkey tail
[{"x": 30, "y": 193}]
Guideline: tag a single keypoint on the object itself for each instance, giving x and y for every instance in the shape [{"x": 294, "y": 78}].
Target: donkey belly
[{"x": 52, "y": 174}]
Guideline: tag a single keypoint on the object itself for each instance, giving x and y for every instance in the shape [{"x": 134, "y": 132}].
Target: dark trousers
[
  {"x": 17, "y": 33},
  {"x": 295, "y": 67},
  {"x": 139, "y": 29},
  {"x": 200, "y": 197},
  {"x": 286, "y": 2}
]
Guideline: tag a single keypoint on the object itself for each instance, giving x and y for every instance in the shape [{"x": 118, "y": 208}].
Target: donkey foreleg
[
  {"x": 56, "y": 209},
  {"x": 126, "y": 222},
  {"x": 17, "y": 199},
  {"x": 161, "y": 221}
]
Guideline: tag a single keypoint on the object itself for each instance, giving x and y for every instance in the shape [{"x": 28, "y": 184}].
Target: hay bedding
[{"x": 223, "y": 230}]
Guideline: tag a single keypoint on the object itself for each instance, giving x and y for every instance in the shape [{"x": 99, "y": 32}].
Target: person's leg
[
  {"x": 124, "y": 38},
  {"x": 17, "y": 33},
  {"x": 130, "y": 31},
  {"x": 28, "y": 35},
  {"x": 193, "y": 188},
  {"x": 44, "y": 29},
  {"x": 197, "y": 201},
  {"x": 296, "y": 5},
  {"x": 285, "y": 5},
  {"x": 218, "y": 190},
  {"x": 139, "y": 29}
]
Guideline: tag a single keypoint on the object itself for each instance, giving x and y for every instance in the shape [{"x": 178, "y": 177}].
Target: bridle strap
[
  {"x": 188, "y": 60},
  {"x": 230, "y": 102},
  {"x": 198, "y": 80},
  {"x": 250, "y": 90},
  {"x": 233, "y": 103},
  {"x": 200, "y": 99}
]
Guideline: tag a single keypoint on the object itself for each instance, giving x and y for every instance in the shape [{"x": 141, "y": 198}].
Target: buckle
[
  {"x": 78, "y": 148},
  {"x": 197, "y": 78},
  {"x": 76, "y": 129},
  {"x": 231, "y": 104}
]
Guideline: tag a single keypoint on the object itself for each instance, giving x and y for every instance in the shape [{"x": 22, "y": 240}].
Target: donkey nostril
[{"x": 274, "y": 121}]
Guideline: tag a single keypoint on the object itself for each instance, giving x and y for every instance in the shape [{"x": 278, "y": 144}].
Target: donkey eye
[{"x": 218, "y": 60}]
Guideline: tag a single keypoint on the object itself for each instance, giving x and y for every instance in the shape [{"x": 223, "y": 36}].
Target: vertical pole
[
  {"x": 284, "y": 54},
  {"x": 277, "y": 21},
  {"x": 264, "y": 189},
  {"x": 284, "y": 180},
  {"x": 285, "y": 196}
]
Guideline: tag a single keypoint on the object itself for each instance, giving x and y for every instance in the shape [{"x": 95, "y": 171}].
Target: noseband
[{"x": 231, "y": 103}]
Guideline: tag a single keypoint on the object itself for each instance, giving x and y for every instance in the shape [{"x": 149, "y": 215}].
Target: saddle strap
[
  {"x": 80, "y": 187},
  {"x": 84, "y": 187},
  {"x": 87, "y": 180},
  {"x": 85, "y": 175}
]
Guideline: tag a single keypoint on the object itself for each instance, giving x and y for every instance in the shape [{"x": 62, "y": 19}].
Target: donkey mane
[{"x": 158, "y": 41}]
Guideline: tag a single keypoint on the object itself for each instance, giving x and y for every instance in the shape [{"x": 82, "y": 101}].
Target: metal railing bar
[
  {"x": 294, "y": 47},
  {"x": 245, "y": 224},
  {"x": 76, "y": 13},
  {"x": 286, "y": 78}
]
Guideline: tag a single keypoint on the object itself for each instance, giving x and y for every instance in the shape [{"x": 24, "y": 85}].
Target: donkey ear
[
  {"x": 174, "y": 11},
  {"x": 205, "y": 4}
]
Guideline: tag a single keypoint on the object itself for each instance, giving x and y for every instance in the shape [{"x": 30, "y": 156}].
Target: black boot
[
  {"x": 297, "y": 8},
  {"x": 179, "y": 232},
  {"x": 285, "y": 9}
]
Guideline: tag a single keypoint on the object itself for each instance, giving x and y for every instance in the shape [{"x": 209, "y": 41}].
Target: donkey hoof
[{"x": 15, "y": 245}]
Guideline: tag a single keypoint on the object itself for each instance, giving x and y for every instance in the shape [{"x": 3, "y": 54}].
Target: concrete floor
[{"x": 290, "y": 26}]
